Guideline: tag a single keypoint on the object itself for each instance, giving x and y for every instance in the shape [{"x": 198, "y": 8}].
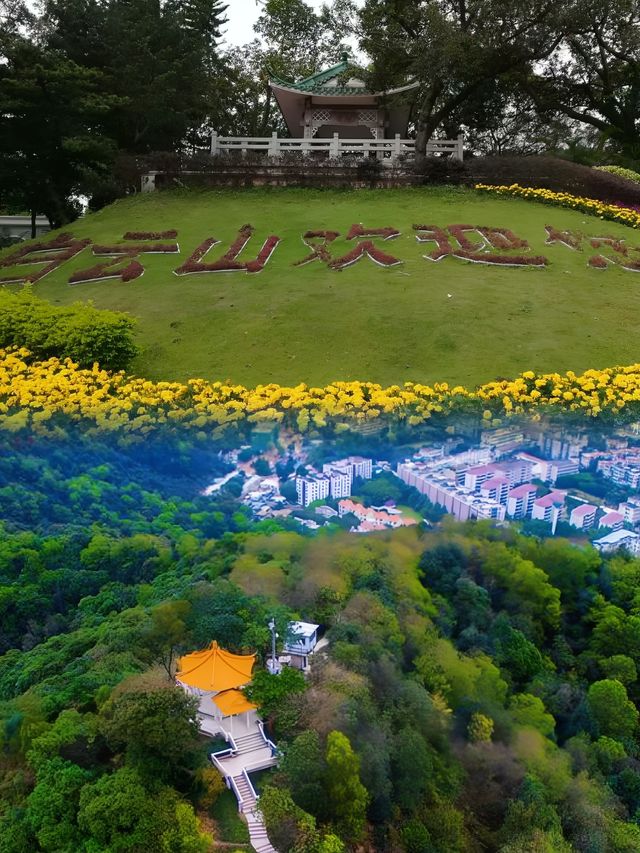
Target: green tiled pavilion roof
[{"x": 318, "y": 83}]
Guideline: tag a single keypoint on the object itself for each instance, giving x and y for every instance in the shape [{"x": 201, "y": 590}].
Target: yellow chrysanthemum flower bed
[
  {"x": 39, "y": 394},
  {"x": 624, "y": 215}
]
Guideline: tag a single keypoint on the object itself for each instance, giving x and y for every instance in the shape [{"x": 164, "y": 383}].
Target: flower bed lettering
[
  {"x": 113, "y": 268},
  {"x": 434, "y": 234},
  {"x": 319, "y": 251},
  {"x": 228, "y": 262},
  {"x": 367, "y": 248},
  {"x": 151, "y": 235},
  {"x": 119, "y": 252},
  {"x": 137, "y": 249},
  {"x": 358, "y": 230},
  {"x": 566, "y": 238},
  {"x": 51, "y": 253},
  {"x": 479, "y": 252},
  {"x": 473, "y": 243},
  {"x": 621, "y": 252}
]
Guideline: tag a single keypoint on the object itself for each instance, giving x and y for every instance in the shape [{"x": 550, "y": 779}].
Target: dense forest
[{"x": 480, "y": 689}]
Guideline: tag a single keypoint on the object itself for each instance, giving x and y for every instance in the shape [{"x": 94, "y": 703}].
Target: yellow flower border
[
  {"x": 42, "y": 394},
  {"x": 592, "y": 206}
]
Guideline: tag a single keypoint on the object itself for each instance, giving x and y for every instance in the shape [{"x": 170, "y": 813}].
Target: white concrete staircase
[
  {"x": 257, "y": 831},
  {"x": 249, "y": 743},
  {"x": 251, "y": 752}
]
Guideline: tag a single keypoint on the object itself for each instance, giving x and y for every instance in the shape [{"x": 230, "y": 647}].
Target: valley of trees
[
  {"x": 94, "y": 93},
  {"x": 480, "y": 689}
]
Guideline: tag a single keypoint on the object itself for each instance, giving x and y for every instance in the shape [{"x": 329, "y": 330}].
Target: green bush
[
  {"x": 621, "y": 172},
  {"x": 79, "y": 331}
]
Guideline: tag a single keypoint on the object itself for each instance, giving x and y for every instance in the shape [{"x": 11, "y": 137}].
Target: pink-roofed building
[
  {"x": 549, "y": 508},
  {"x": 476, "y": 476},
  {"x": 496, "y": 489},
  {"x": 583, "y": 516},
  {"x": 630, "y": 510},
  {"x": 375, "y": 519},
  {"x": 613, "y": 520},
  {"x": 520, "y": 500}
]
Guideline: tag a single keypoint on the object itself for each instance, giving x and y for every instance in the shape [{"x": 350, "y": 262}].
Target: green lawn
[{"x": 289, "y": 324}]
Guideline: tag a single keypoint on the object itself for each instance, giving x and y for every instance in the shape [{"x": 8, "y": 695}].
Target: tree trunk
[
  {"x": 33, "y": 223},
  {"x": 424, "y": 133}
]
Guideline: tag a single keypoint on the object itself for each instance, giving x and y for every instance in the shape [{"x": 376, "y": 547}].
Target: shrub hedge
[
  {"x": 79, "y": 331},
  {"x": 553, "y": 173},
  {"x": 621, "y": 172}
]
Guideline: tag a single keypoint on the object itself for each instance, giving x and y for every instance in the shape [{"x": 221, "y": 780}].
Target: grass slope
[{"x": 289, "y": 324}]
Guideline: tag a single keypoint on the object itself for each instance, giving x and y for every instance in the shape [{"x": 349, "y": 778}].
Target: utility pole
[{"x": 274, "y": 669}]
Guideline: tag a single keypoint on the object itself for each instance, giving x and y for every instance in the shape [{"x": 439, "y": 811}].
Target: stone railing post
[
  {"x": 274, "y": 147},
  {"x": 334, "y": 147},
  {"x": 214, "y": 143},
  {"x": 459, "y": 155},
  {"x": 148, "y": 182},
  {"x": 397, "y": 148}
]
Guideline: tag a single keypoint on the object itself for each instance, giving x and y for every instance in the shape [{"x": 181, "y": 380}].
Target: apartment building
[
  {"x": 616, "y": 540},
  {"x": 312, "y": 488},
  {"x": 583, "y": 517},
  {"x": 520, "y": 500},
  {"x": 549, "y": 508},
  {"x": 496, "y": 489},
  {"x": 630, "y": 510},
  {"x": 613, "y": 520}
]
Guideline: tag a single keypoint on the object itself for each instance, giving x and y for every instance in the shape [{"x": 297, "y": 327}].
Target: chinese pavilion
[
  {"x": 337, "y": 101},
  {"x": 216, "y": 676}
]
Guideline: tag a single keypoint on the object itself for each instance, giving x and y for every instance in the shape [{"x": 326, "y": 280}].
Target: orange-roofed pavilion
[
  {"x": 213, "y": 669},
  {"x": 233, "y": 702}
]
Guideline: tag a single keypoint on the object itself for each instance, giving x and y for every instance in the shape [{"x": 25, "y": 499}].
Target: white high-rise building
[
  {"x": 360, "y": 467},
  {"x": 312, "y": 488},
  {"x": 340, "y": 480}
]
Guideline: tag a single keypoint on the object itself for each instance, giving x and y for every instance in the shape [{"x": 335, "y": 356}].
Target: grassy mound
[{"x": 452, "y": 320}]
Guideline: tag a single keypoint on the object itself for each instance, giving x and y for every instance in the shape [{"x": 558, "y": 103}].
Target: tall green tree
[
  {"x": 158, "y": 731},
  {"x": 346, "y": 794},
  {"x": 51, "y": 147},
  {"x": 595, "y": 78},
  {"x": 613, "y": 712},
  {"x": 454, "y": 49},
  {"x": 159, "y": 59}
]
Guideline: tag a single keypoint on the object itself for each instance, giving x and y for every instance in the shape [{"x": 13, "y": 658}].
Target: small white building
[
  {"x": 301, "y": 642},
  {"x": 616, "y": 540}
]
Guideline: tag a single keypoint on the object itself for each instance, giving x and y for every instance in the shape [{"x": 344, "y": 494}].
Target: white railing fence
[{"x": 335, "y": 147}]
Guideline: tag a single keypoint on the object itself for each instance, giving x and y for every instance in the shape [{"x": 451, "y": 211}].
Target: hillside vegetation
[{"x": 480, "y": 690}]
